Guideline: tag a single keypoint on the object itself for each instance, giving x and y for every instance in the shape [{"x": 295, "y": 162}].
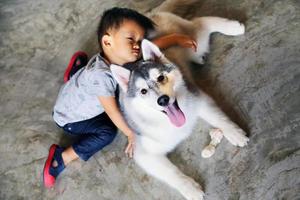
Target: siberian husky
[{"x": 161, "y": 109}]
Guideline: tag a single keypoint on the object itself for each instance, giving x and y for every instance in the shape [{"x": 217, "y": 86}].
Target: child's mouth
[{"x": 135, "y": 52}]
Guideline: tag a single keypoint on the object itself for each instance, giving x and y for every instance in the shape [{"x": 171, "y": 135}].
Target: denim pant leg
[{"x": 94, "y": 134}]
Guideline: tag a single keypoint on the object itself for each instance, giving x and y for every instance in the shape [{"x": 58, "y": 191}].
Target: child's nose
[{"x": 136, "y": 46}]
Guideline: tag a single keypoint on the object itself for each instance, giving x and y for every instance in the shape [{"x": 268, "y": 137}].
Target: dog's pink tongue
[{"x": 175, "y": 115}]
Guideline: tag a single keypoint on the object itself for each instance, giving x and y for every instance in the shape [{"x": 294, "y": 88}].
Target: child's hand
[
  {"x": 186, "y": 42},
  {"x": 130, "y": 146}
]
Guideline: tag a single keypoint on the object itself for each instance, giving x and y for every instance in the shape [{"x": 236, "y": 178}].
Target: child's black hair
[{"x": 114, "y": 17}]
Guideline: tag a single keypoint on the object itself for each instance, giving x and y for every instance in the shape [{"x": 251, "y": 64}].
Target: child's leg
[
  {"x": 69, "y": 155},
  {"x": 94, "y": 134}
]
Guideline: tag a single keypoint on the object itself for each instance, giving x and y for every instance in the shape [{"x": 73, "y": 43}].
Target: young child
[{"x": 86, "y": 105}]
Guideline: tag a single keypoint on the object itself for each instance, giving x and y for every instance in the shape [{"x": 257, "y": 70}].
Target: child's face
[{"x": 124, "y": 43}]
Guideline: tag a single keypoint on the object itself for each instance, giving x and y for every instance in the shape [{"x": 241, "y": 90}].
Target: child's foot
[
  {"x": 78, "y": 60},
  {"x": 54, "y": 165}
]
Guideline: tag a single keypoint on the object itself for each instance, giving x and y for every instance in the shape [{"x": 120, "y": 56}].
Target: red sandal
[
  {"x": 50, "y": 173},
  {"x": 78, "y": 60}
]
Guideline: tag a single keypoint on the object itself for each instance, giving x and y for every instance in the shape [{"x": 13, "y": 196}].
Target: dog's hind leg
[
  {"x": 160, "y": 167},
  {"x": 208, "y": 25},
  {"x": 219, "y": 24},
  {"x": 211, "y": 113}
]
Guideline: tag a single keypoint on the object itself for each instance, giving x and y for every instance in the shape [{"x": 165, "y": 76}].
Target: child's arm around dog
[
  {"x": 167, "y": 41},
  {"x": 111, "y": 108}
]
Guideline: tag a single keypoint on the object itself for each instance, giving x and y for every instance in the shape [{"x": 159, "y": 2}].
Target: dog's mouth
[{"x": 175, "y": 114}]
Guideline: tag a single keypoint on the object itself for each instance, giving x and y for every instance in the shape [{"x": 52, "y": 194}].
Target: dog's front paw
[
  {"x": 235, "y": 28},
  {"x": 236, "y": 136},
  {"x": 192, "y": 190}
]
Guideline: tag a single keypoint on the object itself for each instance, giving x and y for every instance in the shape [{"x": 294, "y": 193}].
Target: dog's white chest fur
[{"x": 156, "y": 133}]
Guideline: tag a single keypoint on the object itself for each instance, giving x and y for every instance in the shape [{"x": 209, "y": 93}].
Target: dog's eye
[
  {"x": 161, "y": 78},
  {"x": 144, "y": 91}
]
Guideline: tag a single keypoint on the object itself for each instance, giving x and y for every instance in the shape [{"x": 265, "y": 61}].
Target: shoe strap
[
  {"x": 55, "y": 171},
  {"x": 58, "y": 156}
]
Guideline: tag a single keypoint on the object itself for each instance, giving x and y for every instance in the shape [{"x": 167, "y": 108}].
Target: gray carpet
[{"x": 255, "y": 78}]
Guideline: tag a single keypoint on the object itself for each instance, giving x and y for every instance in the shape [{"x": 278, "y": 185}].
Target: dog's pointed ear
[
  {"x": 121, "y": 75},
  {"x": 150, "y": 51}
]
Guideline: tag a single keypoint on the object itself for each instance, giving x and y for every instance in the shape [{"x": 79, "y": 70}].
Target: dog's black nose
[{"x": 163, "y": 100}]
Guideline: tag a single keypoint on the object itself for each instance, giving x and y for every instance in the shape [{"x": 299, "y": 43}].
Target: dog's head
[{"x": 153, "y": 83}]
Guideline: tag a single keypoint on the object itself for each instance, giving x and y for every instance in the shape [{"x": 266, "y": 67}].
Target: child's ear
[
  {"x": 106, "y": 40},
  {"x": 121, "y": 75},
  {"x": 150, "y": 51}
]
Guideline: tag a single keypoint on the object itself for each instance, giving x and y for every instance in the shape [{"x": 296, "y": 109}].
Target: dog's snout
[{"x": 163, "y": 100}]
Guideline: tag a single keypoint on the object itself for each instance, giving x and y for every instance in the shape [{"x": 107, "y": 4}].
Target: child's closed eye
[{"x": 130, "y": 39}]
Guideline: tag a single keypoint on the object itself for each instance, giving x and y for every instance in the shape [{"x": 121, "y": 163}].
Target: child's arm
[
  {"x": 112, "y": 110},
  {"x": 167, "y": 41}
]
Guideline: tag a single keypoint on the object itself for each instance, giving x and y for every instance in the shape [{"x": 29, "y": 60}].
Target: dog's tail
[{"x": 182, "y": 8}]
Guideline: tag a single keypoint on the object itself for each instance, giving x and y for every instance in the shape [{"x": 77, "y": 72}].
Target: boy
[{"x": 86, "y": 105}]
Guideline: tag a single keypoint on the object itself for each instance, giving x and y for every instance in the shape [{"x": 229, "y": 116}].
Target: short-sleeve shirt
[{"x": 78, "y": 98}]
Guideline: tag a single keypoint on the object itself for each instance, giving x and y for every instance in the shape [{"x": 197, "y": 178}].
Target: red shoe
[
  {"x": 50, "y": 173},
  {"x": 78, "y": 60}
]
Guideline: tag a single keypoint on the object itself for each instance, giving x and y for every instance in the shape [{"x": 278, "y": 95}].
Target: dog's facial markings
[
  {"x": 152, "y": 80},
  {"x": 152, "y": 84},
  {"x": 161, "y": 78},
  {"x": 154, "y": 73},
  {"x": 142, "y": 86},
  {"x": 158, "y": 76},
  {"x": 140, "y": 83}
]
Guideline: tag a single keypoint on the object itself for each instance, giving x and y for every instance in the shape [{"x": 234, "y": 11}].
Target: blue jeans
[{"x": 94, "y": 134}]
